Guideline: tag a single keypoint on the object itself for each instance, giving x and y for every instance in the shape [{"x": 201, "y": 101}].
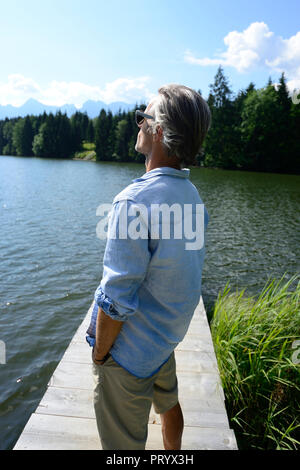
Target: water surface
[{"x": 51, "y": 259}]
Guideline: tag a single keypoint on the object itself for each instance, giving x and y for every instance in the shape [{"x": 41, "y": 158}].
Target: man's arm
[
  {"x": 125, "y": 265},
  {"x": 107, "y": 331}
]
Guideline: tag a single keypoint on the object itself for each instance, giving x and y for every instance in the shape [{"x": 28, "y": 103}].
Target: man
[{"x": 151, "y": 284}]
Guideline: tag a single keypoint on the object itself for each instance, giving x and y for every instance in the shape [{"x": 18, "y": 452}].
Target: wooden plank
[
  {"x": 79, "y": 376},
  {"x": 196, "y": 361},
  {"x": 46, "y": 432},
  {"x": 195, "y": 438},
  {"x": 191, "y": 361},
  {"x": 206, "y": 418},
  {"x": 199, "y": 360},
  {"x": 67, "y": 402},
  {"x": 196, "y": 343},
  {"x": 79, "y": 403}
]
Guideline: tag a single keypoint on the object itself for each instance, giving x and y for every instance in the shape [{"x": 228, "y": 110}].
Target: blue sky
[{"x": 68, "y": 51}]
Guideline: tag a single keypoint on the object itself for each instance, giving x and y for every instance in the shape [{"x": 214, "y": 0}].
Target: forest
[{"x": 254, "y": 130}]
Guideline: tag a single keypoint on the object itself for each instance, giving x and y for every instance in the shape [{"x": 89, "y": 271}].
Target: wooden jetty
[{"x": 65, "y": 419}]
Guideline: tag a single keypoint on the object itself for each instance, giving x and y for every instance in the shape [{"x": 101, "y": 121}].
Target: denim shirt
[{"x": 151, "y": 283}]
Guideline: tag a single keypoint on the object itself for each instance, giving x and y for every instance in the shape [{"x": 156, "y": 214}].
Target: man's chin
[{"x": 139, "y": 150}]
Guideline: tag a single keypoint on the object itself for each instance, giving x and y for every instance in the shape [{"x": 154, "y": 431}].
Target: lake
[{"x": 51, "y": 258}]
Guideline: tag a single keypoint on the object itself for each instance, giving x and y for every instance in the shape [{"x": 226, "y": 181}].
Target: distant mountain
[{"x": 92, "y": 108}]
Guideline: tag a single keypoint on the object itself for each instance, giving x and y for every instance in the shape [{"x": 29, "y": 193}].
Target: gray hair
[{"x": 185, "y": 119}]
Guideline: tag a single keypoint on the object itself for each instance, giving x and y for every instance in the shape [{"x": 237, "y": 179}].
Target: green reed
[{"x": 257, "y": 344}]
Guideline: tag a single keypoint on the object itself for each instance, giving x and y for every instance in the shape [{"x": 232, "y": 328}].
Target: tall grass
[{"x": 255, "y": 340}]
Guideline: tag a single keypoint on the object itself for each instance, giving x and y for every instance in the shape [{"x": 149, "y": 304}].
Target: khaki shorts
[{"x": 123, "y": 401}]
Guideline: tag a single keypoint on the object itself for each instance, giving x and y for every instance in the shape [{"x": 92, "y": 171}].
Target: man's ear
[{"x": 158, "y": 134}]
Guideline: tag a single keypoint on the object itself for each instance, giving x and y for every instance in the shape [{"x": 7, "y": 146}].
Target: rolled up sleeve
[{"x": 125, "y": 265}]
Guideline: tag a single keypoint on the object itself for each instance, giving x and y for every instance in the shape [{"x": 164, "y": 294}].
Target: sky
[{"x": 69, "y": 51}]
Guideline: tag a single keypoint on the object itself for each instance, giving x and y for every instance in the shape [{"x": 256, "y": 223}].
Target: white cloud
[
  {"x": 127, "y": 90},
  {"x": 18, "y": 89},
  {"x": 254, "y": 47}
]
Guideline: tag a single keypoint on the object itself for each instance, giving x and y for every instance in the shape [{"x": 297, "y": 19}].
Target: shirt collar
[{"x": 164, "y": 170}]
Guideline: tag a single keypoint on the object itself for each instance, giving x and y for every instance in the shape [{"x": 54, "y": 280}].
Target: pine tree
[
  {"x": 219, "y": 145},
  {"x": 45, "y": 142},
  {"x": 64, "y": 136},
  {"x": 7, "y": 133},
  {"x": 284, "y": 128},
  {"x": 259, "y": 130},
  {"x": 121, "y": 136},
  {"x": 102, "y": 136},
  {"x": 84, "y": 126},
  {"x": 293, "y": 164},
  {"x": 90, "y": 131},
  {"x": 220, "y": 89},
  {"x": 77, "y": 130}
]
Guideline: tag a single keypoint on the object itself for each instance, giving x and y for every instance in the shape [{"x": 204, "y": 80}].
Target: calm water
[{"x": 51, "y": 259}]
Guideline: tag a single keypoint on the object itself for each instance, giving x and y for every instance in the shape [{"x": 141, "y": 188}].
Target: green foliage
[
  {"x": 7, "y": 134},
  {"x": 87, "y": 152},
  {"x": 115, "y": 137},
  {"x": 103, "y": 129},
  {"x": 121, "y": 134},
  {"x": 258, "y": 130},
  {"x": 254, "y": 342},
  {"x": 22, "y": 137},
  {"x": 44, "y": 136},
  {"x": 79, "y": 129},
  {"x": 90, "y": 131},
  {"x": 54, "y": 138},
  {"x": 265, "y": 130}
]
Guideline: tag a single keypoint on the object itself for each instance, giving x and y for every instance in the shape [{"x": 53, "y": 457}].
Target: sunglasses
[{"x": 140, "y": 117}]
